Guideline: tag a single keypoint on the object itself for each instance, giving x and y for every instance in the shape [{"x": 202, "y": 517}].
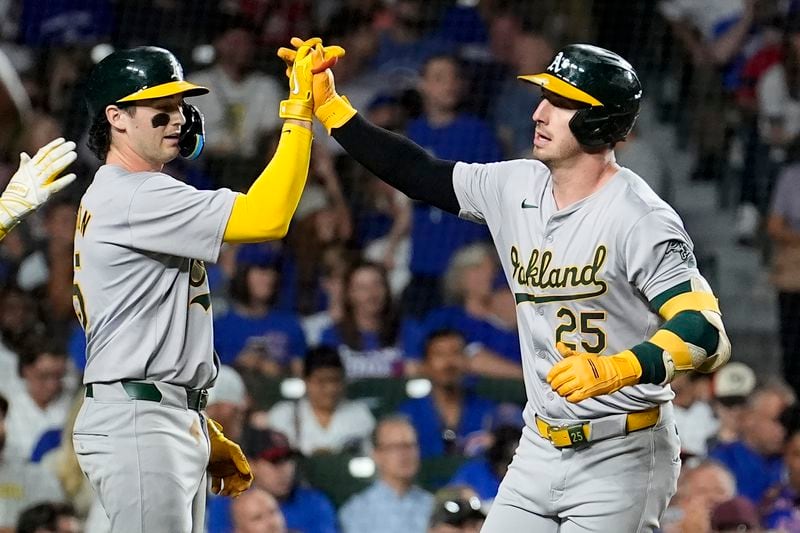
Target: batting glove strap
[
  {"x": 296, "y": 109},
  {"x": 335, "y": 112}
]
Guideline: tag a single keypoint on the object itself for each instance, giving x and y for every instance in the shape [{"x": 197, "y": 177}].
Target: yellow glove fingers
[
  {"x": 239, "y": 460},
  {"x": 564, "y": 380},
  {"x": 564, "y": 350},
  {"x": 297, "y": 42},
  {"x": 47, "y": 165},
  {"x": 44, "y": 150},
  {"x": 57, "y": 185},
  {"x": 56, "y": 166}
]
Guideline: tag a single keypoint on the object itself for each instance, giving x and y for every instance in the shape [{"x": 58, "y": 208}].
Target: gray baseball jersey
[
  {"x": 141, "y": 290},
  {"x": 582, "y": 275}
]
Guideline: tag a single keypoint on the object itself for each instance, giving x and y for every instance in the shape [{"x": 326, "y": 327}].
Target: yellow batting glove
[
  {"x": 228, "y": 467},
  {"x": 582, "y": 375},
  {"x": 331, "y": 109},
  {"x": 35, "y": 181},
  {"x": 301, "y": 65}
]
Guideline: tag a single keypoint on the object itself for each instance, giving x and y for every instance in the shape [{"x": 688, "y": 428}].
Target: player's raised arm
[
  {"x": 35, "y": 181},
  {"x": 265, "y": 211},
  {"x": 392, "y": 157}
]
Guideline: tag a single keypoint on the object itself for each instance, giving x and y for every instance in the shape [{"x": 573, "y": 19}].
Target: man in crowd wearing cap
[
  {"x": 700, "y": 490},
  {"x": 755, "y": 459},
  {"x": 274, "y": 464},
  {"x": 227, "y": 402},
  {"x": 731, "y": 387},
  {"x": 257, "y": 511},
  {"x": 392, "y": 504}
]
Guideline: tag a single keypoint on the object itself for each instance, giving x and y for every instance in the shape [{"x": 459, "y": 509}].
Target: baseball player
[
  {"x": 610, "y": 303},
  {"x": 141, "y": 290},
  {"x": 35, "y": 181}
]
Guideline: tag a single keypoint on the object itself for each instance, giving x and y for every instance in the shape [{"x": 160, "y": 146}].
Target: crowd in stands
[{"x": 372, "y": 367}]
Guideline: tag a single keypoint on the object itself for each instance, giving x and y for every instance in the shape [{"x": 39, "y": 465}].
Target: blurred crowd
[{"x": 371, "y": 359}]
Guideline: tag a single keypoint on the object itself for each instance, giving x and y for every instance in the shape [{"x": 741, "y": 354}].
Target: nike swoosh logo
[
  {"x": 296, "y": 85},
  {"x": 526, "y": 205}
]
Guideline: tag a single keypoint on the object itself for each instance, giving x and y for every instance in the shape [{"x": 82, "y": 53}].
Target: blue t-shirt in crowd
[
  {"x": 754, "y": 473},
  {"x": 476, "y": 417},
  {"x": 306, "y": 510},
  {"x": 436, "y": 235},
  {"x": 478, "y": 474},
  {"x": 503, "y": 341},
  {"x": 279, "y": 332},
  {"x": 372, "y": 360}
]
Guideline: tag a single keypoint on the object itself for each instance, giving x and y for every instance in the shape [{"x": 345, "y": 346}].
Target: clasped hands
[
  {"x": 582, "y": 375},
  {"x": 311, "y": 83}
]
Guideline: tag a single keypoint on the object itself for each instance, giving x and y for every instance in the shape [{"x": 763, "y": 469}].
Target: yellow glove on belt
[
  {"x": 331, "y": 109},
  {"x": 583, "y": 375},
  {"x": 228, "y": 467},
  {"x": 35, "y": 181}
]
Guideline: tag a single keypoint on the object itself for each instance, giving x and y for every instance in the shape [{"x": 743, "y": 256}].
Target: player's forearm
[
  {"x": 400, "y": 163},
  {"x": 265, "y": 211}
]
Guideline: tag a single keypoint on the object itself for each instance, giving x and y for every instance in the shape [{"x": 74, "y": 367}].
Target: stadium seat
[
  {"x": 382, "y": 395},
  {"x": 332, "y": 474},
  {"x": 501, "y": 390},
  {"x": 435, "y": 472}
]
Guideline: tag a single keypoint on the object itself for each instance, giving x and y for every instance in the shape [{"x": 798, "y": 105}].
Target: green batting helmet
[
  {"x": 602, "y": 80},
  {"x": 136, "y": 74}
]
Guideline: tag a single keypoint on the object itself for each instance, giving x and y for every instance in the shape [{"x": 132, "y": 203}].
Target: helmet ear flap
[
  {"x": 595, "y": 126},
  {"x": 192, "y": 136},
  {"x": 589, "y": 125}
]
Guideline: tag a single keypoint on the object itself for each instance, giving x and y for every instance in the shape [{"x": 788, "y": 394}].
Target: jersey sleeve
[
  {"x": 658, "y": 253},
  {"x": 478, "y": 189},
  {"x": 170, "y": 217}
]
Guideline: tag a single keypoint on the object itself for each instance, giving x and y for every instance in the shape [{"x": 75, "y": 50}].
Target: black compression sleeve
[{"x": 400, "y": 163}]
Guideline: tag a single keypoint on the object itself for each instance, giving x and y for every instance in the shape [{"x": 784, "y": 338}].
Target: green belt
[{"x": 196, "y": 399}]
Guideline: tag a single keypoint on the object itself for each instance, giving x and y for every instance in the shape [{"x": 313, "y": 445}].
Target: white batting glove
[{"x": 35, "y": 181}]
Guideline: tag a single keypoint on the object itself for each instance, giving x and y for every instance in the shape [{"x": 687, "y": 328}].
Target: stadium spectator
[
  {"x": 367, "y": 334},
  {"x": 755, "y": 459},
  {"x": 272, "y": 340},
  {"x": 240, "y": 107},
  {"x": 43, "y": 403},
  {"x": 392, "y": 504},
  {"x": 448, "y": 134},
  {"x": 257, "y": 511},
  {"x": 694, "y": 417},
  {"x": 335, "y": 263},
  {"x": 531, "y": 53},
  {"x": 731, "y": 386},
  {"x": 700, "y": 490},
  {"x": 227, "y": 402},
  {"x": 323, "y": 421},
  {"x": 469, "y": 288},
  {"x": 783, "y": 227},
  {"x": 49, "y": 517},
  {"x": 47, "y": 272},
  {"x": 781, "y": 505},
  {"x": 484, "y": 473},
  {"x": 447, "y": 418},
  {"x": 22, "y": 483},
  {"x": 274, "y": 464}
]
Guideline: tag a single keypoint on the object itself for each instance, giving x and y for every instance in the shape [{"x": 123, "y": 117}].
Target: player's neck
[
  {"x": 581, "y": 177},
  {"x": 126, "y": 158}
]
